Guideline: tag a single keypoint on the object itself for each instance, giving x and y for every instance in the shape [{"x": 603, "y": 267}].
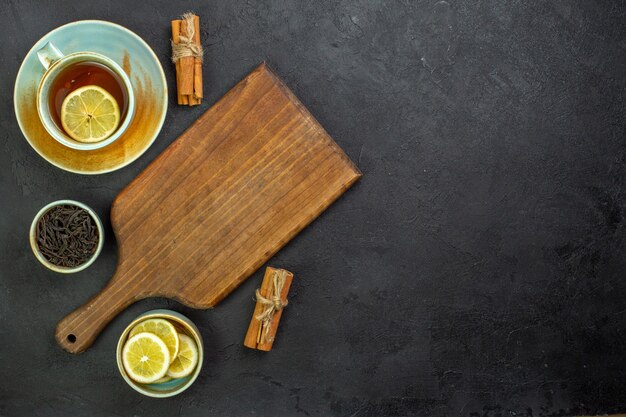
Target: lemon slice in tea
[
  {"x": 187, "y": 358},
  {"x": 90, "y": 114},
  {"x": 145, "y": 358},
  {"x": 161, "y": 328}
]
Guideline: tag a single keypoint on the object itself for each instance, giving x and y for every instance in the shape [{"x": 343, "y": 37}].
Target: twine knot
[
  {"x": 277, "y": 303},
  {"x": 186, "y": 46}
]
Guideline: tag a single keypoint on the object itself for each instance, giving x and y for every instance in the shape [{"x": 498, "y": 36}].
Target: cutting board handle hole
[{"x": 71, "y": 338}]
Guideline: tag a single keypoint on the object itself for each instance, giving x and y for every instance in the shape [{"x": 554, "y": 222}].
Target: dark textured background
[{"x": 476, "y": 269}]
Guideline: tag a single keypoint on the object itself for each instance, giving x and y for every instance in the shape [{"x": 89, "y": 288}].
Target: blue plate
[{"x": 149, "y": 86}]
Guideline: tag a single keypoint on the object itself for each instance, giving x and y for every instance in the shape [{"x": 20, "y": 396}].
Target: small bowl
[
  {"x": 175, "y": 386},
  {"x": 35, "y": 247}
]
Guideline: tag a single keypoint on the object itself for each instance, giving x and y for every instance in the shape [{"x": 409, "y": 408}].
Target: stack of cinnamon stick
[
  {"x": 187, "y": 56},
  {"x": 272, "y": 295}
]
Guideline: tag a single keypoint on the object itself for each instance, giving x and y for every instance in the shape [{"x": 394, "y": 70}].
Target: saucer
[{"x": 149, "y": 86}]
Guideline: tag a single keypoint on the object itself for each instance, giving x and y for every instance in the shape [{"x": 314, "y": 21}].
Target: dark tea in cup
[
  {"x": 81, "y": 74},
  {"x": 85, "y": 100}
]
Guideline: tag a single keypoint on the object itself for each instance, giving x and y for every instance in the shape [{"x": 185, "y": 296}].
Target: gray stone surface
[{"x": 478, "y": 267}]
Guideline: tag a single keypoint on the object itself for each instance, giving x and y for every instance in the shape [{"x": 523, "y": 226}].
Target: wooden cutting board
[{"x": 241, "y": 182}]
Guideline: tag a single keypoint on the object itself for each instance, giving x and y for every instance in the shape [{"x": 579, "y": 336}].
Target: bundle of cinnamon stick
[
  {"x": 271, "y": 299},
  {"x": 187, "y": 56}
]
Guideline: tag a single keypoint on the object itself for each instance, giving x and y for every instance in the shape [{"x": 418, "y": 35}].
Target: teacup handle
[{"x": 49, "y": 54}]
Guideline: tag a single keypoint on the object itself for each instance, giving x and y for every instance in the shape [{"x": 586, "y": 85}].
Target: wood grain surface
[{"x": 243, "y": 180}]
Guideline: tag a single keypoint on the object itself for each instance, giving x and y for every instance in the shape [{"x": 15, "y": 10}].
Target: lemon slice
[
  {"x": 187, "y": 358},
  {"x": 161, "y": 328},
  {"x": 162, "y": 380},
  {"x": 90, "y": 114},
  {"x": 145, "y": 358}
]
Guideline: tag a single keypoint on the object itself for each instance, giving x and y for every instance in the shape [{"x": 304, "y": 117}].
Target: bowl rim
[
  {"x": 33, "y": 238},
  {"x": 170, "y": 315}
]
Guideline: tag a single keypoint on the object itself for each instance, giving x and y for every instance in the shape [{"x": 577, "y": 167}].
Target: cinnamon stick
[
  {"x": 186, "y": 67},
  {"x": 176, "y": 39},
  {"x": 197, "y": 69},
  {"x": 258, "y": 337}
]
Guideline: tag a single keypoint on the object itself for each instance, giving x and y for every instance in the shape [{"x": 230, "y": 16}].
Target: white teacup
[{"x": 55, "y": 62}]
